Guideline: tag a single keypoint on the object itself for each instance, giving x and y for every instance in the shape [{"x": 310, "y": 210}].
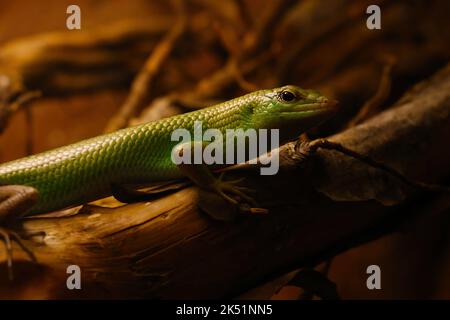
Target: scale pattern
[{"x": 84, "y": 171}]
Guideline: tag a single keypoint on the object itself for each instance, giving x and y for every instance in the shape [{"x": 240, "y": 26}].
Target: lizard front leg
[
  {"x": 15, "y": 201},
  {"x": 213, "y": 191}
]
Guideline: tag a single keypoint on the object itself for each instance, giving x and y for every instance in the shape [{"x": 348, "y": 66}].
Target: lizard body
[{"x": 85, "y": 171}]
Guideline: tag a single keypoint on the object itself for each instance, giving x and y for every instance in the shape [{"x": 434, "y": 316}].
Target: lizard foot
[
  {"x": 8, "y": 236},
  {"x": 230, "y": 189}
]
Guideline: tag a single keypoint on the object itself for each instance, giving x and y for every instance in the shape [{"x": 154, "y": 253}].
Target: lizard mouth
[
  {"x": 321, "y": 105},
  {"x": 316, "y": 107}
]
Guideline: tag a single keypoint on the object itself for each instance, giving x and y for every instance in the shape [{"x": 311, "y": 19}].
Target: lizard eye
[{"x": 287, "y": 96}]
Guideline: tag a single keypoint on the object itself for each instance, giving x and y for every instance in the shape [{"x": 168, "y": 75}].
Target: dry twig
[{"x": 141, "y": 87}]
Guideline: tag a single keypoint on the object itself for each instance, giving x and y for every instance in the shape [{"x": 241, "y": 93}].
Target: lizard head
[{"x": 290, "y": 109}]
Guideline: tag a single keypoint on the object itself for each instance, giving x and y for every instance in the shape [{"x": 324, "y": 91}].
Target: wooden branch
[
  {"x": 244, "y": 59},
  {"x": 67, "y": 62},
  {"x": 64, "y": 62},
  {"x": 142, "y": 84},
  {"x": 168, "y": 249}
]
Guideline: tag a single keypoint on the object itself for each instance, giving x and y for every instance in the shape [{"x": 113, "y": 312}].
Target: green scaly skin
[{"x": 84, "y": 171}]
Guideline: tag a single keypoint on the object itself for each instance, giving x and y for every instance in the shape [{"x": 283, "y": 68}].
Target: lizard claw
[
  {"x": 245, "y": 208},
  {"x": 228, "y": 188},
  {"x": 8, "y": 236}
]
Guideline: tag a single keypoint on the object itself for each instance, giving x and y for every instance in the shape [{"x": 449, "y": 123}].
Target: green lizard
[{"x": 94, "y": 168}]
